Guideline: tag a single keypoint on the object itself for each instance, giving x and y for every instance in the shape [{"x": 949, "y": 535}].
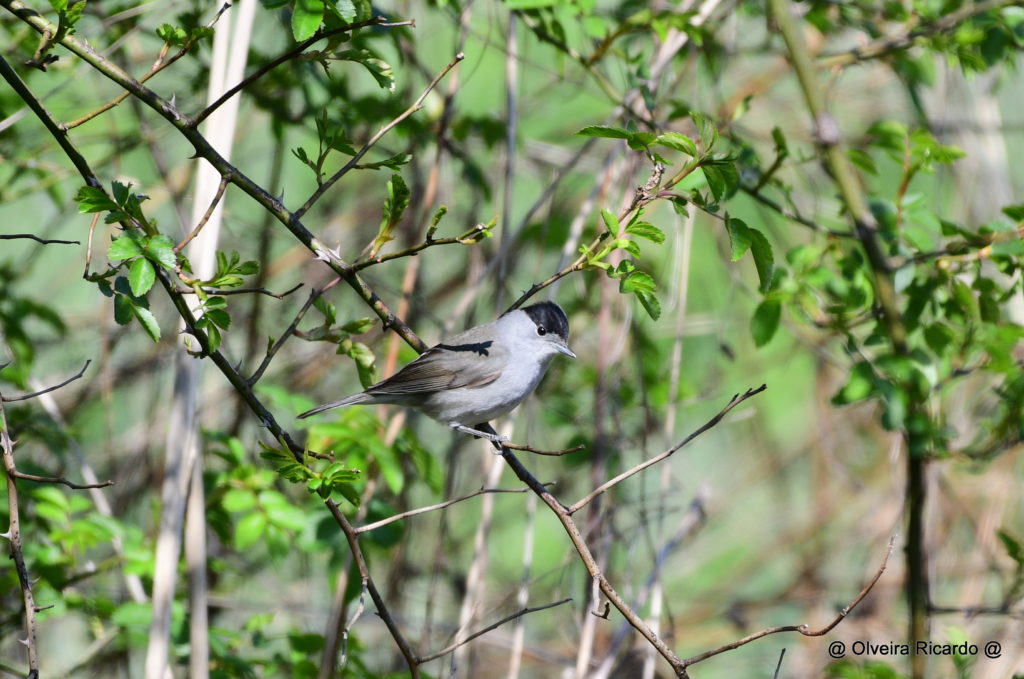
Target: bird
[{"x": 476, "y": 375}]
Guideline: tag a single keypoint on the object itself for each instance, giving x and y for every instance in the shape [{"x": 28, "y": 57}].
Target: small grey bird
[{"x": 477, "y": 375}]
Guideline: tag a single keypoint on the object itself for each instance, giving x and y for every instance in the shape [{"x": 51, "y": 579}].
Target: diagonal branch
[
  {"x": 518, "y": 614},
  {"x": 416, "y": 106},
  {"x": 26, "y": 397},
  {"x": 735, "y": 401},
  {"x": 802, "y": 629},
  {"x": 224, "y": 180},
  {"x": 430, "y": 508}
]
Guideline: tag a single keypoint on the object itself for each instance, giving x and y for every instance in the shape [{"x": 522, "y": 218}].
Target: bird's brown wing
[{"x": 448, "y": 365}]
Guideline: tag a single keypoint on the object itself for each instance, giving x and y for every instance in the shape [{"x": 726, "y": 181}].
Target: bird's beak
[{"x": 565, "y": 350}]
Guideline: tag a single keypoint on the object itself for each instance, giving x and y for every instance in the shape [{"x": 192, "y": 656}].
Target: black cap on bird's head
[{"x": 550, "y": 317}]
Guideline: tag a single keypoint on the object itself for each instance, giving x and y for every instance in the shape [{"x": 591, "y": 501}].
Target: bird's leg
[{"x": 493, "y": 438}]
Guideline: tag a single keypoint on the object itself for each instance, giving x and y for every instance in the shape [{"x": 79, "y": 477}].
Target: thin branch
[
  {"x": 157, "y": 66},
  {"x": 518, "y": 614},
  {"x": 416, "y": 106},
  {"x": 573, "y": 531},
  {"x": 51, "y": 124},
  {"x": 733, "y": 402},
  {"x": 291, "y": 54},
  {"x": 802, "y": 629},
  {"x": 12, "y": 399},
  {"x": 44, "y": 241},
  {"x": 240, "y": 291},
  {"x": 441, "y": 505},
  {"x": 61, "y": 479},
  {"x": 536, "y": 451},
  {"x": 289, "y": 331},
  {"x": 224, "y": 179},
  {"x": 382, "y": 610},
  {"x": 470, "y": 237},
  {"x": 755, "y": 193}
]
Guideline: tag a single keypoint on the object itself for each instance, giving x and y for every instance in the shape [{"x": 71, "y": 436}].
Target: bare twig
[
  {"x": 12, "y": 399},
  {"x": 158, "y": 65},
  {"x": 430, "y": 508},
  {"x": 289, "y": 331},
  {"x": 241, "y": 291},
  {"x": 44, "y": 241},
  {"x": 525, "y": 611},
  {"x": 735, "y": 401},
  {"x": 61, "y": 479},
  {"x": 206, "y": 217},
  {"x": 291, "y": 54},
  {"x": 802, "y": 629},
  {"x": 552, "y": 453},
  {"x": 468, "y": 238},
  {"x": 416, "y": 106}
]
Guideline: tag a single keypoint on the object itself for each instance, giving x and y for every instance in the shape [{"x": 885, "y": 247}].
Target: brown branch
[
  {"x": 536, "y": 451},
  {"x": 802, "y": 629},
  {"x": 382, "y": 610},
  {"x": 733, "y": 402},
  {"x": 61, "y": 479},
  {"x": 573, "y": 531},
  {"x": 416, "y": 106},
  {"x": 224, "y": 179},
  {"x": 13, "y": 535},
  {"x": 291, "y": 54},
  {"x": 468, "y": 238},
  {"x": 44, "y": 241},
  {"x": 518, "y": 614},
  {"x": 240, "y": 291},
  {"x": 12, "y": 399},
  {"x": 157, "y": 66},
  {"x": 441, "y": 505}
]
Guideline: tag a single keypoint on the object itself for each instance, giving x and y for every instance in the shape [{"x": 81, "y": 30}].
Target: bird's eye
[{"x": 541, "y": 330}]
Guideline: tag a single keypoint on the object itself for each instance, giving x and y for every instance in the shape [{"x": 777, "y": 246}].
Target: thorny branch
[{"x": 12, "y": 399}]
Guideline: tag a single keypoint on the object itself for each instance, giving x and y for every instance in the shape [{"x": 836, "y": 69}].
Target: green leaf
[
  {"x": 739, "y": 237},
  {"x": 123, "y": 309},
  {"x": 645, "y": 230},
  {"x": 358, "y": 326},
  {"x": 344, "y": 9},
  {"x": 650, "y": 304},
  {"x": 706, "y": 130},
  {"x": 250, "y": 530},
  {"x": 125, "y": 247},
  {"x": 160, "y": 249},
  {"x": 148, "y": 321},
  {"x": 238, "y": 500},
  {"x": 611, "y": 222},
  {"x": 394, "y": 207},
  {"x": 765, "y": 321},
  {"x": 859, "y": 386},
  {"x": 638, "y": 281},
  {"x": 604, "y": 131},
  {"x": 764, "y": 260},
  {"x": 306, "y": 18},
  {"x": 679, "y": 142},
  {"x": 141, "y": 276},
  {"x": 93, "y": 199},
  {"x": 219, "y": 317}
]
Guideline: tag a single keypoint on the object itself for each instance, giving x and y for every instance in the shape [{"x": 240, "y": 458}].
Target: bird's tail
[{"x": 347, "y": 401}]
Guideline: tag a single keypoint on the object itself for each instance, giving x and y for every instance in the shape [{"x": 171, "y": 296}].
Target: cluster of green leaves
[
  {"x": 229, "y": 274},
  {"x": 720, "y": 178},
  {"x": 335, "y": 477},
  {"x": 341, "y": 335}
]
